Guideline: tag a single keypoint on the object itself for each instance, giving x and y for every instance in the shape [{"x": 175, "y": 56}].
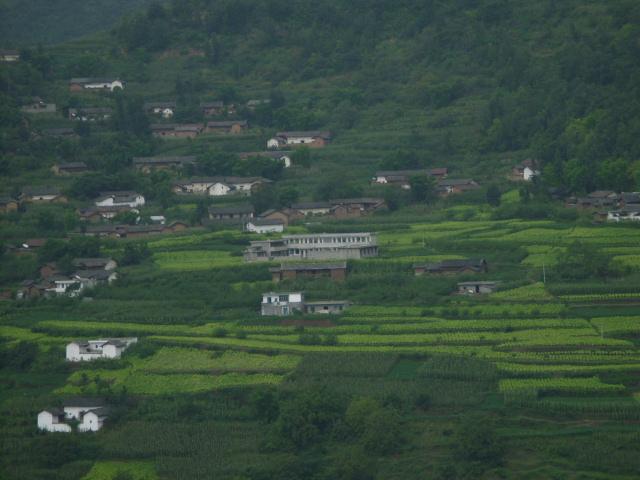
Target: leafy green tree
[
  {"x": 493, "y": 196},
  {"x": 476, "y": 441},
  {"x": 583, "y": 260},
  {"x": 423, "y": 188}
]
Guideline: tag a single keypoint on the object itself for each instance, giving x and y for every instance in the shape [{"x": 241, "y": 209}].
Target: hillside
[{"x": 331, "y": 240}]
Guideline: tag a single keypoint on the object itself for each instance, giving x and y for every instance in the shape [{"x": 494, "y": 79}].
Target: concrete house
[
  {"x": 326, "y": 307},
  {"x": 281, "y": 304},
  {"x": 64, "y": 286},
  {"x": 161, "y": 109},
  {"x": 628, "y": 213},
  {"x": 95, "y": 84},
  {"x": 402, "y": 178},
  {"x": 120, "y": 199},
  {"x": 476, "y": 288},
  {"x": 42, "y": 194},
  {"x": 282, "y": 156},
  {"x": 454, "y": 186},
  {"x": 95, "y": 263},
  {"x": 237, "y": 213},
  {"x": 88, "y": 350},
  {"x": 226, "y": 127},
  {"x": 255, "y": 103},
  {"x": 89, "y": 413},
  {"x": 93, "y": 278},
  {"x": 216, "y": 108},
  {"x": 312, "y": 208},
  {"x": 90, "y": 114},
  {"x": 264, "y": 225},
  {"x": 314, "y": 139},
  {"x": 337, "y": 272},
  {"x": 219, "y": 186},
  {"x": 173, "y": 130},
  {"x": 37, "y": 106},
  {"x": 97, "y": 214},
  {"x": 71, "y": 168},
  {"x": 9, "y": 55},
  {"x": 524, "y": 172},
  {"x": 151, "y": 164},
  {"x": 452, "y": 267},
  {"x": 323, "y": 246}
]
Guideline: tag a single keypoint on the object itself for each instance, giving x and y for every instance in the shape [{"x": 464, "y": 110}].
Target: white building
[
  {"x": 65, "y": 286},
  {"x": 76, "y": 84},
  {"x": 628, "y": 213},
  {"x": 281, "y": 304},
  {"x": 120, "y": 199},
  {"x": 80, "y": 351},
  {"x": 219, "y": 186},
  {"x": 89, "y": 413},
  {"x": 264, "y": 225},
  {"x": 310, "y": 138}
]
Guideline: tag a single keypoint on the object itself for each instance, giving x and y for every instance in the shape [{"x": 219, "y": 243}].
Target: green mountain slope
[{"x": 41, "y": 21}]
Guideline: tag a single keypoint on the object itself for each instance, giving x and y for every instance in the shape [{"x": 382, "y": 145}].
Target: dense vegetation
[{"x": 538, "y": 380}]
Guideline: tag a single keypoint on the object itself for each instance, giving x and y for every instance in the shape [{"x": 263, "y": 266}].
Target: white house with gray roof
[
  {"x": 87, "y": 350},
  {"x": 120, "y": 199}
]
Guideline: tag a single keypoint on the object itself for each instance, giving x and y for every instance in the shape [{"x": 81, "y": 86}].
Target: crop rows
[{"x": 552, "y": 385}]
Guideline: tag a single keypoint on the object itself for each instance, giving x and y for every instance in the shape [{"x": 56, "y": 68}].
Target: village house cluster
[
  {"x": 106, "y": 348},
  {"x": 87, "y": 414},
  {"x": 610, "y": 206}
]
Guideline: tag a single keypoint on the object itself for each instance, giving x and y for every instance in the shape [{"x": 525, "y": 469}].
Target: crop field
[{"x": 195, "y": 260}]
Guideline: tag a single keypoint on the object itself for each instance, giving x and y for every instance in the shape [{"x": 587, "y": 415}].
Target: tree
[
  {"x": 583, "y": 260},
  {"x": 476, "y": 441},
  {"x": 493, "y": 196},
  {"x": 423, "y": 188},
  {"x": 135, "y": 253}
]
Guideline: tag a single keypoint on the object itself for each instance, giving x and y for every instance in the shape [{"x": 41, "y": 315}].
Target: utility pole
[{"x": 544, "y": 274}]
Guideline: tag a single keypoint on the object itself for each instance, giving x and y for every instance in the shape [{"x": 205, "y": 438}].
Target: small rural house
[
  {"x": 92, "y": 278},
  {"x": 89, "y": 413},
  {"x": 453, "y": 186},
  {"x": 282, "y": 304},
  {"x": 282, "y": 156},
  {"x": 219, "y": 186},
  {"x": 232, "y": 127},
  {"x": 120, "y": 199},
  {"x": 87, "y": 350},
  {"x": 524, "y": 172},
  {"x": 312, "y": 208},
  {"x": 476, "y": 288},
  {"x": 314, "y": 139},
  {"x": 216, "y": 108},
  {"x": 71, "y": 168},
  {"x": 97, "y": 214},
  {"x": 95, "y": 84},
  {"x": 42, "y": 194},
  {"x": 286, "y": 215},
  {"x": 161, "y": 109},
  {"x": 337, "y": 272},
  {"x": 402, "y": 178},
  {"x": 64, "y": 286},
  {"x": 8, "y": 204},
  {"x": 9, "y": 55},
  {"x": 356, "y": 207},
  {"x": 334, "y": 307},
  {"x": 452, "y": 267},
  {"x": 173, "y": 130},
  {"x": 235, "y": 213},
  {"x": 90, "y": 114},
  {"x": 264, "y": 225},
  {"x": 37, "y": 106},
  {"x": 628, "y": 213},
  {"x": 150, "y": 164}
]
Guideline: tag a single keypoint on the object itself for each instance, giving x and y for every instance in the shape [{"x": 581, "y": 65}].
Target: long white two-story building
[{"x": 321, "y": 246}]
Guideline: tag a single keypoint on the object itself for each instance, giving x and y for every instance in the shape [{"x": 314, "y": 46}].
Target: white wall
[
  {"x": 46, "y": 422},
  {"x": 219, "y": 189},
  {"x": 90, "y": 423}
]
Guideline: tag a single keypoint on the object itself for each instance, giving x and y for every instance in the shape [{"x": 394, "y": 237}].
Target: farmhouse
[
  {"x": 452, "y": 267},
  {"x": 9, "y": 55},
  {"x": 281, "y": 304},
  {"x": 263, "y": 225},
  {"x": 453, "y": 186},
  {"x": 524, "y": 172},
  {"x": 150, "y": 164},
  {"x": 87, "y": 350},
  {"x": 629, "y": 198},
  {"x": 90, "y": 114},
  {"x": 356, "y": 207},
  {"x": 34, "y": 243},
  {"x": 323, "y": 246},
  {"x": 227, "y": 126},
  {"x": 216, "y": 108},
  {"x": 42, "y": 194},
  {"x": 334, "y": 307},
  {"x": 173, "y": 130},
  {"x": 31, "y": 289},
  {"x": 95, "y": 84},
  {"x": 286, "y": 215},
  {"x": 8, "y": 204},
  {"x": 219, "y": 186},
  {"x": 71, "y": 168},
  {"x": 312, "y": 208},
  {"x": 337, "y": 272},
  {"x": 64, "y": 286},
  {"x": 90, "y": 413},
  {"x": 628, "y": 213},
  {"x": 38, "y": 105},
  {"x": 120, "y": 199},
  {"x": 49, "y": 270},
  {"x": 282, "y": 156},
  {"x": 316, "y": 139},
  {"x": 402, "y": 178},
  {"x": 476, "y": 288},
  {"x": 161, "y": 109},
  {"x": 94, "y": 277},
  {"x": 97, "y": 214},
  {"x": 233, "y": 213}
]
